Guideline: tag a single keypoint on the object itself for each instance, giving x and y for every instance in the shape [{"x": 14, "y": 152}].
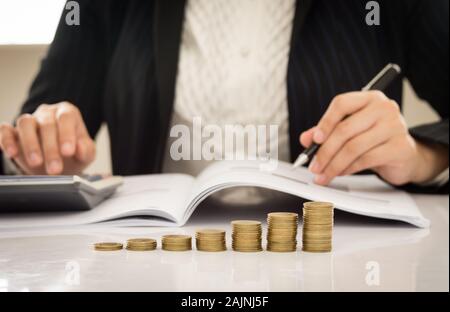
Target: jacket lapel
[
  {"x": 301, "y": 11},
  {"x": 169, "y": 17},
  {"x": 296, "y": 113}
]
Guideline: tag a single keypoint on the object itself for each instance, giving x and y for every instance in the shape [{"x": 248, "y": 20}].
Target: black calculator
[{"x": 55, "y": 193}]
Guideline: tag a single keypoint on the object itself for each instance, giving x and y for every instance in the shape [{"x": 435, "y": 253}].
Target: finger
[
  {"x": 66, "y": 120},
  {"x": 352, "y": 151},
  {"x": 48, "y": 132},
  {"x": 347, "y": 129},
  {"x": 342, "y": 106},
  {"x": 85, "y": 152},
  {"x": 376, "y": 157},
  {"x": 306, "y": 138},
  {"x": 29, "y": 140},
  {"x": 8, "y": 142}
]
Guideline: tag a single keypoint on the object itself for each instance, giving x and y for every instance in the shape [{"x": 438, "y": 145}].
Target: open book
[{"x": 170, "y": 199}]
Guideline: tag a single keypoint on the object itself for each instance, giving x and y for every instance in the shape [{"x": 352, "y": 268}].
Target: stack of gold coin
[
  {"x": 108, "y": 246},
  {"x": 141, "y": 244},
  {"x": 211, "y": 240},
  {"x": 177, "y": 242},
  {"x": 317, "y": 226},
  {"x": 247, "y": 236},
  {"x": 282, "y": 231}
]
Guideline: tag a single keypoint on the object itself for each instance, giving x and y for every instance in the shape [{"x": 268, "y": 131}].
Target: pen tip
[{"x": 301, "y": 160}]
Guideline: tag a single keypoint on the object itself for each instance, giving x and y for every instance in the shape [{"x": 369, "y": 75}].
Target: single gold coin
[
  {"x": 283, "y": 215},
  {"x": 281, "y": 248},
  {"x": 318, "y": 226},
  {"x": 245, "y": 223},
  {"x": 176, "y": 248},
  {"x": 176, "y": 237},
  {"x": 318, "y": 218},
  {"x": 106, "y": 246},
  {"x": 317, "y": 250},
  {"x": 210, "y": 233},
  {"x": 246, "y": 235},
  {"x": 141, "y": 241},
  {"x": 313, "y": 237},
  {"x": 239, "y": 249},
  {"x": 318, "y": 205}
]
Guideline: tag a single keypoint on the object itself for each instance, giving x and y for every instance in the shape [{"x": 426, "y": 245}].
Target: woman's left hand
[{"x": 366, "y": 130}]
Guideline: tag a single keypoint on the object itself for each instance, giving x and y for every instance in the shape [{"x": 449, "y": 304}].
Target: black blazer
[{"x": 119, "y": 66}]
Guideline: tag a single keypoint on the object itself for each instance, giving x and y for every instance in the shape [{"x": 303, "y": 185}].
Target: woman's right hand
[{"x": 52, "y": 141}]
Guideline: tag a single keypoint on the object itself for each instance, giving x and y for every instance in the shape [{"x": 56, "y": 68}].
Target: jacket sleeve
[
  {"x": 76, "y": 63},
  {"x": 427, "y": 70}
]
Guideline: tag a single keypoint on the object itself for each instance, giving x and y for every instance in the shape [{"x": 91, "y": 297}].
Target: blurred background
[{"x": 27, "y": 28}]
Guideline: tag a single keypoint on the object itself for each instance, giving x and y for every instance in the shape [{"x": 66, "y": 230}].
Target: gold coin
[
  {"x": 317, "y": 240},
  {"x": 317, "y": 213},
  {"x": 281, "y": 226},
  {"x": 210, "y": 238},
  {"x": 176, "y": 248},
  {"x": 317, "y": 216},
  {"x": 281, "y": 231},
  {"x": 212, "y": 250},
  {"x": 134, "y": 248},
  {"x": 245, "y": 223},
  {"x": 309, "y": 219},
  {"x": 318, "y": 205},
  {"x": 318, "y": 236},
  {"x": 182, "y": 242},
  {"x": 248, "y": 249},
  {"x": 316, "y": 246},
  {"x": 219, "y": 247},
  {"x": 176, "y": 237},
  {"x": 211, "y": 243},
  {"x": 108, "y": 246},
  {"x": 282, "y": 221},
  {"x": 141, "y": 244},
  {"x": 141, "y": 241},
  {"x": 320, "y": 212},
  {"x": 210, "y": 233},
  {"x": 317, "y": 226},
  {"x": 246, "y": 235},
  {"x": 317, "y": 250},
  {"x": 276, "y": 249}
]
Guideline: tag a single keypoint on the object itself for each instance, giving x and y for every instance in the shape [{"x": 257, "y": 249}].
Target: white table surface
[{"x": 368, "y": 255}]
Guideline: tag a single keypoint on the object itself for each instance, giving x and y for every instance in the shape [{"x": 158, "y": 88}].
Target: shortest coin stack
[
  {"x": 211, "y": 240},
  {"x": 317, "y": 226},
  {"x": 282, "y": 231},
  {"x": 108, "y": 246},
  {"x": 141, "y": 244},
  {"x": 247, "y": 236},
  {"x": 177, "y": 242}
]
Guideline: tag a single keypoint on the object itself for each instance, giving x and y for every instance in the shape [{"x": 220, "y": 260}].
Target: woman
[{"x": 142, "y": 66}]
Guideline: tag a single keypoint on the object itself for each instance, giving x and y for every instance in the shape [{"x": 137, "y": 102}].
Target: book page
[
  {"x": 142, "y": 200},
  {"x": 366, "y": 195}
]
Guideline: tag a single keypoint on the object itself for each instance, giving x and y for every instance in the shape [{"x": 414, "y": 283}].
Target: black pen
[{"x": 379, "y": 82}]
